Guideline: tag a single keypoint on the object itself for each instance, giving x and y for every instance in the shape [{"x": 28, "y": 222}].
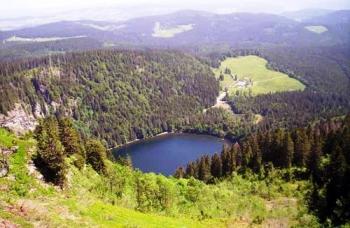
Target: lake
[{"x": 163, "y": 154}]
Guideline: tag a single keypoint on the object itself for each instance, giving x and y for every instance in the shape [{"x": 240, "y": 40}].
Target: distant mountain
[
  {"x": 62, "y": 29},
  {"x": 302, "y": 15},
  {"x": 195, "y": 28},
  {"x": 337, "y": 17},
  {"x": 337, "y": 23}
]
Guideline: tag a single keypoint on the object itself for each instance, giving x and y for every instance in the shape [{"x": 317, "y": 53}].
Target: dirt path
[{"x": 220, "y": 103}]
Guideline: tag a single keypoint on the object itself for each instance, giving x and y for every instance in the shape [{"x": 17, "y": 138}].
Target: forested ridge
[{"x": 118, "y": 95}]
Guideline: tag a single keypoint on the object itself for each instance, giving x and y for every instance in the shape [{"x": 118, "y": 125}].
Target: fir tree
[
  {"x": 50, "y": 157},
  {"x": 216, "y": 166},
  {"x": 179, "y": 173},
  {"x": 71, "y": 141},
  {"x": 287, "y": 151}
]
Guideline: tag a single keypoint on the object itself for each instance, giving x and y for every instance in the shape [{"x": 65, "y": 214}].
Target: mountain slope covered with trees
[{"x": 118, "y": 95}]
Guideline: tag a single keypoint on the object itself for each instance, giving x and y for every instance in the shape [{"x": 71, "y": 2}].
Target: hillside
[
  {"x": 306, "y": 14},
  {"x": 115, "y": 95},
  {"x": 129, "y": 198}
]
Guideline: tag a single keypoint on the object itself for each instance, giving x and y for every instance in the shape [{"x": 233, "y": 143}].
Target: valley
[{"x": 182, "y": 119}]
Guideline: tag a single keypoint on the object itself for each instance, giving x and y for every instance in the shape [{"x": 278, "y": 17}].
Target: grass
[
  {"x": 258, "y": 79},
  {"x": 113, "y": 216},
  {"x": 319, "y": 29},
  {"x": 89, "y": 201}
]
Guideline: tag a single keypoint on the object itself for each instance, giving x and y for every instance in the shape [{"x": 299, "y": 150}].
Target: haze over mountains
[{"x": 192, "y": 28}]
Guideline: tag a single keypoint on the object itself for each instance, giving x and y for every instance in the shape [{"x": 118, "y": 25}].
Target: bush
[{"x": 96, "y": 155}]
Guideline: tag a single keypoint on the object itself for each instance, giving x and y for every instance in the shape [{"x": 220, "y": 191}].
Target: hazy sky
[
  {"x": 18, "y": 8},
  {"x": 32, "y": 12}
]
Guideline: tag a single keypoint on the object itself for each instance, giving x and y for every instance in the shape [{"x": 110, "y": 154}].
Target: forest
[
  {"x": 117, "y": 96},
  {"x": 319, "y": 153}
]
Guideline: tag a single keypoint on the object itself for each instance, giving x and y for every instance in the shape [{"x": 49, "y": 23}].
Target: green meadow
[{"x": 250, "y": 75}]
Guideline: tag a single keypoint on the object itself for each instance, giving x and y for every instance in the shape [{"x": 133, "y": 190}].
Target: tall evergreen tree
[
  {"x": 287, "y": 151},
  {"x": 50, "y": 159},
  {"x": 335, "y": 187},
  {"x": 71, "y": 141},
  {"x": 301, "y": 147},
  {"x": 204, "y": 169},
  {"x": 314, "y": 160},
  {"x": 191, "y": 170},
  {"x": 246, "y": 156},
  {"x": 179, "y": 173},
  {"x": 216, "y": 166},
  {"x": 256, "y": 155}
]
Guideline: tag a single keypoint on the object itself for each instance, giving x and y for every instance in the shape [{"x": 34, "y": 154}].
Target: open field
[
  {"x": 249, "y": 75},
  {"x": 316, "y": 29},
  {"x": 160, "y": 32}
]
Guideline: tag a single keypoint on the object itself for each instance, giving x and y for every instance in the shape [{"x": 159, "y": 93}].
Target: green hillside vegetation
[
  {"x": 250, "y": 75},
  {"x": 123, "y": 197}
]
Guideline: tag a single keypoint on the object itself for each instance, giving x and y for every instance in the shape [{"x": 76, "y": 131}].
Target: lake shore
[
  {"x": 227, "y": 140},
  {"x": 137, "y": 140}
]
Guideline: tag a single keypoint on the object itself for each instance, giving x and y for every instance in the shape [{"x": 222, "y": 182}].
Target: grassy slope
[
  {"x": 88, "y": 202},
  {"x": 254, "y": 67}
]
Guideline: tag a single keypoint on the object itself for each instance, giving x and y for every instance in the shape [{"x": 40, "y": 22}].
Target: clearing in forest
[
  {"x": 249, "y": 75},
  {"x": 316, "y": 29}
]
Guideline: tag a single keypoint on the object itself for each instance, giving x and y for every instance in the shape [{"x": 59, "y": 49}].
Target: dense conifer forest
[{"x": 118, "y": 95}]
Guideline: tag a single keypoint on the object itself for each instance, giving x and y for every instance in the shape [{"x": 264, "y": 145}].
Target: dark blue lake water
[{"x": 163, "y": 154}]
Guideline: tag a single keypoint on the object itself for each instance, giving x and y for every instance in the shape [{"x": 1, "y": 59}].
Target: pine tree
[
  {"x": 287, "y": 151},
  {"x": 299, "y": 147},
  {"x": 50, "y": 159},
  {"x": 277, "y": 147},
  {"x": 256, "y": 155},
  {"x": 233, "y": 157},
  {"x": 314, "y": 160},
  {"x": 179, "y": 173},
  {"x": 71, "y": 141},
  {"x": 216, "y": 166},
  {"x": 204, "y": 169},
  {"x": 335, "y": 187},
  {"x": 225, "y": 160},
  {"x": 246, "y": 156},
  {"x": 191, "y": 170}
]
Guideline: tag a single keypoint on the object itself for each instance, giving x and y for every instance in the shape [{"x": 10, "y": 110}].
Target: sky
[{"x": 34, "y": 11}]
